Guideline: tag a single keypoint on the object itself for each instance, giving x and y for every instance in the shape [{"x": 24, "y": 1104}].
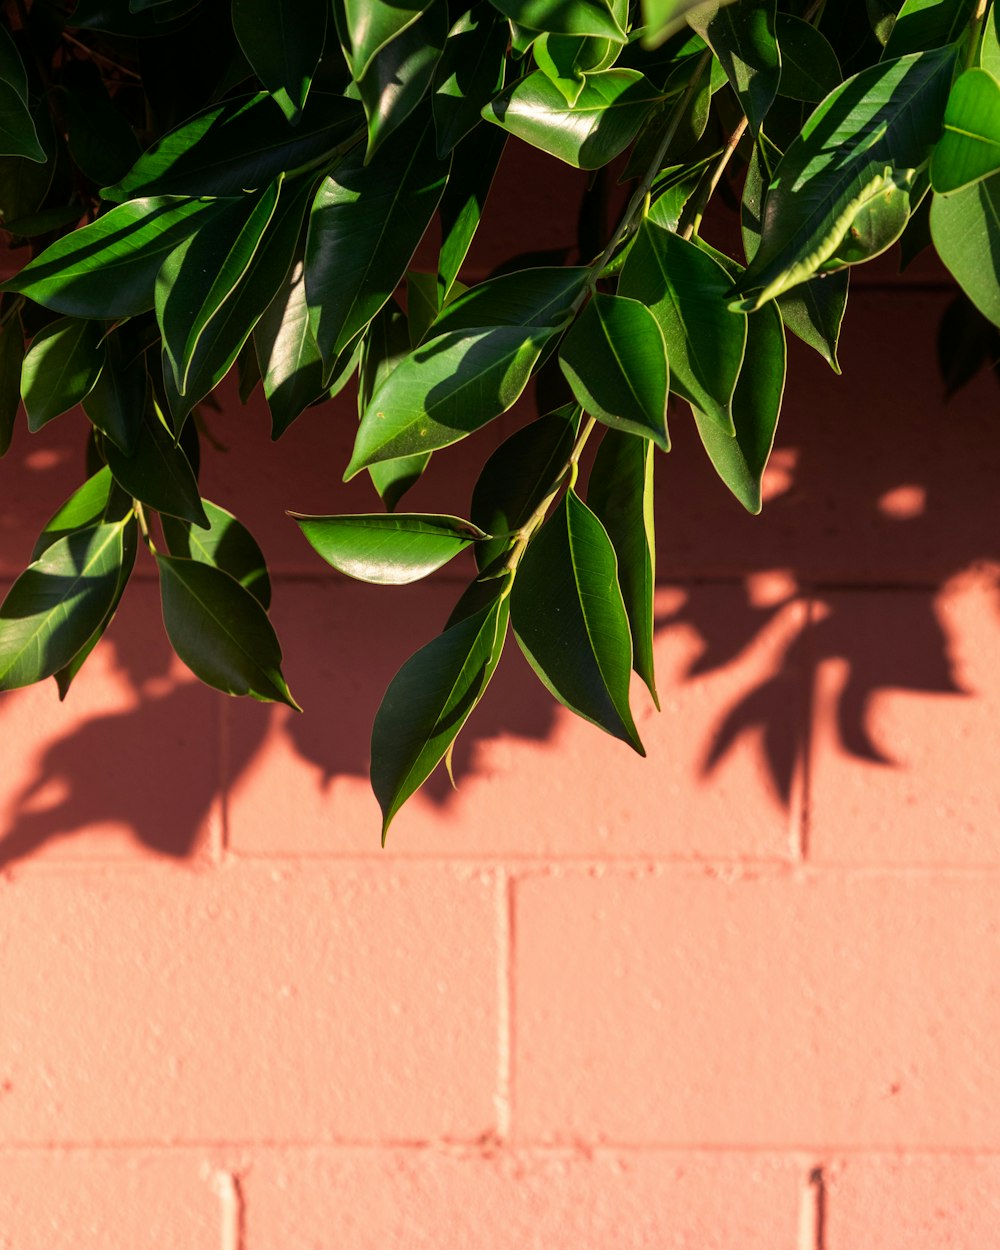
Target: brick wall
[{"x": 743, "y": 995}]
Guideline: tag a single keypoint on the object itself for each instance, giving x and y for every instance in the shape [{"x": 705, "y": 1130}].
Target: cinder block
[
  {"x": 107, "y": 1200},
  {"x": 572, "y": 1200},
  {"x": 907, "y": 700},
  {"x": 922, "y": 1203},
  {"x": 785, "y": 1009},
  {"x": 248, "y": 1004},
  {"x": 533, "y": 780}
]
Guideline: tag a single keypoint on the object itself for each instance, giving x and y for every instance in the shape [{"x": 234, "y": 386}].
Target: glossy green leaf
[
  {"x": 615, "y": 361},
  {"x": 117, "y": 399},
  {"x": 158, "y": 472},
  {"x": 283, "y": 43},
  {"x": 666, "y": 210},
  {"x": 620, "y": 494},
  {"x": 365, "y": 224},
  {"x": 965, "y": 228},
  {"x": 969, "y": 148},
  {"x": 527, "y": 297},
  {"x": 226, "y": 545},
  {"x": 809, "y": 66},
  {"x": 687, "y": 292},
  {"x": 519, "y": 476},
  {"x": 200, "y": 275},
  {"x": 469, "y": 74},
  {"x": 371, "y": 24},
  {"x": 609, "y": 111},
  {"x": 861, "y": 147},
  {"x": 560, "y": 63},
  {"x": 569, "y": 575},
  {"x": 220, "y": 631},
  {"x": 564, "y": 17},
  {"x": 742, "y": 37},
  {"x": 11, "y": 359},
  {"x": 421, "y": 304},
  {"x": 924, "y": 24},
  {"x": 108, "y": 268},
  {"x": 98, "y": 499},
  {"x": 56, "y": 604},
  {"x": 61, "y": 366},
  {"x": 241, "y": 145},
  {"x": 740, "y": 461},
  {"x": 287, "y": 352},
  {"x": 429, "y": 700},
  {"x": 401, "y": 73},
  {"x": 388, "y": 549},
  {"x": 663, "y": 18}
]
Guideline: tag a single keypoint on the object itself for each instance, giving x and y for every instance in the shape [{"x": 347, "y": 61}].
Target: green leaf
[
  {"x": 226, "y": 545},
  {"x": 989, "y": 50},
  {"x": 569, "y": 575},
  {"x": 61, "y": 366},
  {"x": 283, "y": 44},
  {"x": 97, "y": 500},
  {"x": 364, "y": 227},
  {"x": 287, "y": 352},
  {"x": 56, "y": 604},
  {"x": 809, "y": 66},
  {"x": 11, "y": 360},
  {"x": 18, "y": 136},
  {"x": 429, "y": 700},
  {"x": 372, "y": 24},
  {"x": 108, "y": 269},
  {"x": 220, "y": 631},
  {"x": 563, "y": 17},
  {"x": 238, "y": 146},
  {"x": 388, "y": 549},
  {"x": 742, "y": 36},
  {"x": 615, "y": 361},
  {"x": 517, "y": 478},
  {"x": 400, "y": 74},
  {"x": 468, "y": 76},
  {"x": 924, "y": 24},
  {"x": 740, "y": 461},
  {"x": 858, "y": 153},
  {"x": 965, "y": 228},
  {"x": 527, "y": 297},
  {"x": 882, "y": 16},
  {"x": 200, "y": 275},
  {"x": 620, "y": 493},
  {"x": 158, "y": 472},
  {"x": 687, "y": 291},
  {"x": 421, "y": 304},
  {"x": 117, "y": 399},
  {"x": 609, "y": 111},
  {"x": 969, "y": 149},
  {"x": 12, "y": 69},
  {"x": 663, "y": 18}
]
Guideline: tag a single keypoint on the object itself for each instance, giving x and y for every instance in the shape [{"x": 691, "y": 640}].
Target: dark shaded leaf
[
  {"x": 99, "y": 138},
  {"x": 12, "y": 69},
  {"x": 388, "y": 549},
  {"x": 61, "y": 366},
  {"x": 98, "y": 499},
  {"x": 18, "y": 136},
  {"x": 469, "y": 74},
  {"x": 742, "y": 36},
  {"x": 809, "y": 65},
  {"x": 283, "y": 44},
  {"x": 421, "y": 304},
  {"x": 924, "y": 24},
  {"x": 117, "y": 400},
  {"x": 289, "y": 358},
  {"x": 226, "y": 545},
  {"x": 400, "y": 74},
  {"x": 11, "y": 359},
  {"x": 158, "y": 472},
  {"x": 473, "y": 170}
]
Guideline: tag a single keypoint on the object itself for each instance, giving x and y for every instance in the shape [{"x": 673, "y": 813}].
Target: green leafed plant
[{"x": 261, "y": 209}]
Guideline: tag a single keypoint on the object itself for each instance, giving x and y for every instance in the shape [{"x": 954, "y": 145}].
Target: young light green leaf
[
  {"x": 742, "y": 36},
  {"x": 117, "y": 400},
  {"x": 241, "y": 145},
  {"x": 11, "y": 360},
  {"x": 364, "y": 227},
  {"x": 61, "y": 366},
  {"x": 158, "y": 472},
  {"x": 605, "y": 119},
  {"x": 569, "y": 575},
  {"x": 283, "y": 44},
  {"x": 98, "y": 499},
  {"x": 582, "y": 17},
  {"x": 864, "y": 143},
  {"x": 519, "y": 476},
  {"x": 226, "y": 545},
  {"x": 615, "y": 361},
  {"x": 924, "y": 24},
  {"x": 969, "y": 148},
  {"x": 740, "y": 461},
  {"x": 388, "y": 549},
  {"x": 220, "y": 631},
  {"x": 429, "y": 700},
  {"x": 965, "y": 228},
  {"x": 287, "y": 352},
  {"x": 400, "y": 74},
  {"x": 809, "y": 66},
  {"x": 108, "y": 269},
  {"x": 687, "y": 292},
  {"x": 469, "y": 74},
  {"x": 56, "y": 604},
  {"x": 620, "y": 493}
]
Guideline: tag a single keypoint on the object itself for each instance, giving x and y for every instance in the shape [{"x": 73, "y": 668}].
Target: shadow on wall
[{"x": 873, "y": 488}]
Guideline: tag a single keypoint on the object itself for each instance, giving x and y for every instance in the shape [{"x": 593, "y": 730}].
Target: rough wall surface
[{"x": 741, "y": 996}]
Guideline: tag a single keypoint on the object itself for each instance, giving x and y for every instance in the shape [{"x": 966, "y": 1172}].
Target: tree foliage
[{"x": 198, "y": 185}]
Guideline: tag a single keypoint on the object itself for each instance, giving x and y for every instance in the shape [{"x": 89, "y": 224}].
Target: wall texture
[{"x": 741, "y": 996}]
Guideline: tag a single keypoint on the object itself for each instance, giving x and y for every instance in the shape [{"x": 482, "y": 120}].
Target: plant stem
[
  {"x": 99, "y": 56},
  {"x": 694, "y": 211}
]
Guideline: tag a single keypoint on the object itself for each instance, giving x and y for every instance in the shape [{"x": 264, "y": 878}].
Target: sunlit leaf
[
  {"x": 969, "y": 149},
  {"x": 400, "y": 74},
  {"x": 61, "y": 366},
  {"x": 966, "y": 232},
  {"x": 226, "y": 545},
  {"x": 287, "y": 352},
  {"x": 469, "y": 74},
  {"x": 579, "y": 17},
  {"x": 924, "y": 24},
  {"x": 389, "y": 549}
]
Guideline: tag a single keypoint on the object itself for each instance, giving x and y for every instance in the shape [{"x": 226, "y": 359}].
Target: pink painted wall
[{"x": 743, "y": 995}]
